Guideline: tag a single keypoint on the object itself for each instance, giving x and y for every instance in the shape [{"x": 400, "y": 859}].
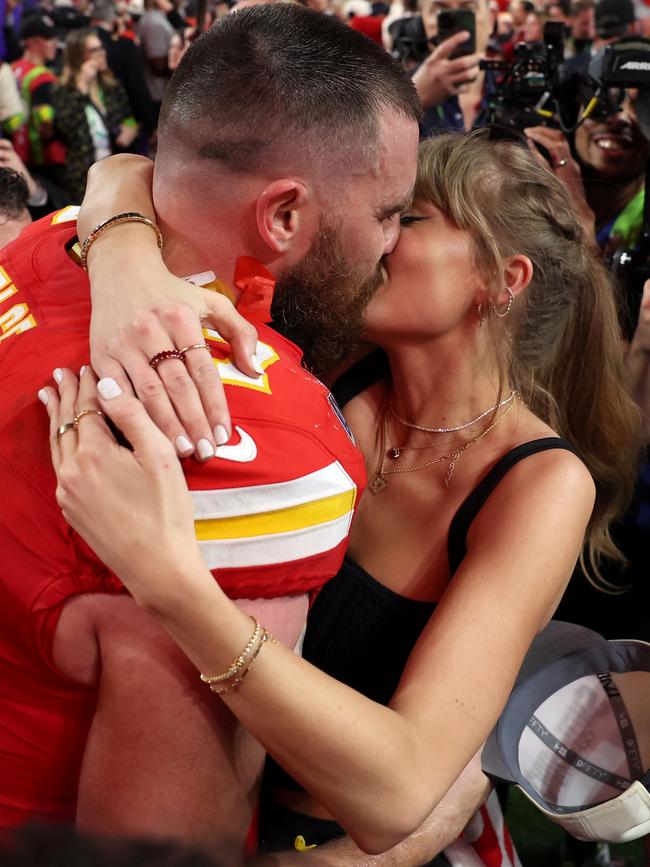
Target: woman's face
[
  {"x": 431, "y": 285},
  {"x": 94, "y": 50}
]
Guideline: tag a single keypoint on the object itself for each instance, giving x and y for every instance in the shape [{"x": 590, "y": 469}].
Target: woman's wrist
[{"x": 129, "y": 248}]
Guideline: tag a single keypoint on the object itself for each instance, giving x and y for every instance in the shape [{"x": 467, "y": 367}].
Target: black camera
[
  {"x": 621, "y": 66},
  {"x": 530, "y": 86}
]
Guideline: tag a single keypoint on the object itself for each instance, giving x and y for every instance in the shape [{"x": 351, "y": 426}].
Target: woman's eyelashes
[{"x": 410, "y": 219}]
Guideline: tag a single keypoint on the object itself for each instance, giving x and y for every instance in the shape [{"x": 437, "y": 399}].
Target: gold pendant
[{"x": 377, "y": 484}]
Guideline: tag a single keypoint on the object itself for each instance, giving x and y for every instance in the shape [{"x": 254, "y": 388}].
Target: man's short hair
[
  {"x": 276, "y": 79},
  {"x": 13, "y": 194},
  {"x": 579, "y": 6}
]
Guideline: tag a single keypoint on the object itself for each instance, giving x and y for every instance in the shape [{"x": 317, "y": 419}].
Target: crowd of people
[{"x": 308, "y": 193}]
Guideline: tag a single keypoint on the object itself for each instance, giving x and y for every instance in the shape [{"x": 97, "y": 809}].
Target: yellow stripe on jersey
[
  {"x": 280, "y": 521},
  {"x": 260, "y": 525}
]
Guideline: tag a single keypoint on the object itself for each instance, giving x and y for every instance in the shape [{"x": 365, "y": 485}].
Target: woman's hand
[
  {"x": 139, "y": 309},
  {"x": 127, "y": 135},
  {"x": 119, "y": 500},
  {"x": 87, "y": 74}
]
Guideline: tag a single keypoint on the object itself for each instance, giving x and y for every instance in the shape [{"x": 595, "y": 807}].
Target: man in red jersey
[
  {"x": 35, "y": 143},
  {"x": 102, "y": 720}
]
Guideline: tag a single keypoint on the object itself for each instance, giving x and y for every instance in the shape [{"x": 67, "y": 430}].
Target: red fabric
[
  {"x": 256, "y": 284},
  {"x": 370, "y": 25},
  {"x": 44, "y": 319}
]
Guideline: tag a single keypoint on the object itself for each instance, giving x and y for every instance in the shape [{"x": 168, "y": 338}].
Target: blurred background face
[
  {"x": 94, "y": 50},
  {"x": 44, "y": 47},
  {"x": 533, "y": 29},
  {"x": 430, "y": 9},
  {"x": 584, "y": 25},
  {"x": 614, "y": 148}
]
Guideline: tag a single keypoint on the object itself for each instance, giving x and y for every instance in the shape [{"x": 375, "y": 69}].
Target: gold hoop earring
[{"x": 511, "y": 299}]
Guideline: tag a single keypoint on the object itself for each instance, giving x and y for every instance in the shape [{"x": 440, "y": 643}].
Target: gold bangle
[
  {"x": 238, "y": 662},
  {"x": 126, "y": 217},
  {"x": 220, "y": 690}
]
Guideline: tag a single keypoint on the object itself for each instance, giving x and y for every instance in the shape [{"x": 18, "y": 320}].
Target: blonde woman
[
  {"x": 93, "y": 115},
  {"x": 499, "y": 443}
]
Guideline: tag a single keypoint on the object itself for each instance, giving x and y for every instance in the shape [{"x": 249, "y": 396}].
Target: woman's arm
[
  {"x": 138, "y": 304},
  {"x": 379, "y": 770},
  {"x": 439, "y": 830}
]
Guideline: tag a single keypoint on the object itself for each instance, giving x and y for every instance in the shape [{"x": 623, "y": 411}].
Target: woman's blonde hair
[
  {"x": 74, "y": 56},
  {"x": 561, "y": 345}
]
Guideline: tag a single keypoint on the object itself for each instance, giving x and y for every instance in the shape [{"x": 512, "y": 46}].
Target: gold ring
[
  {"x": 65, "y": 428},
  {"x": 84, "y": 412},
  {"x": 193, "y": 346}
]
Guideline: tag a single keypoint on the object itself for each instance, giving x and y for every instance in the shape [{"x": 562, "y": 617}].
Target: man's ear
[
  {"x": 284, "y": 214},
  {"x": 518, "y": 274}
]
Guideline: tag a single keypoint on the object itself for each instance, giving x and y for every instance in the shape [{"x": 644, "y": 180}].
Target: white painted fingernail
[
  {"x": 82, "y": 368},
  {"x": 183, "y": 445},
  {"x": 108, "y": 388},
  {"x": 221, "y": 435},
  {"x": 43, "y": 396},
  {"x": 257, "y": 366},
  {"x": 58, "y": 375},
  {"x": 204, "y": 449}
]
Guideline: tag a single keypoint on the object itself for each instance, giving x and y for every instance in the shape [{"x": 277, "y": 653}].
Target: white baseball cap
[{"x": 574, "y": 735}]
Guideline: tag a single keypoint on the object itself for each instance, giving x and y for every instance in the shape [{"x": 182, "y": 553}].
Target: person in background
[
  {"x": 14, "y": 215},
  {"x": 125, "y": 61},
  {"x": 93, "y": 115},
  {"x": 613, "y": 20},
  {"x": 12, "y": 116},
  {"x": 583, "y": 27},
  {"x": 44, "y": 196},
  {"x": 36, "y": 142},
  {"x": 520, "y": 9},
  {"x": 533, "y": 29},
  {"x": 155, "y": 34},
  {"x": 452, "y": 91}
]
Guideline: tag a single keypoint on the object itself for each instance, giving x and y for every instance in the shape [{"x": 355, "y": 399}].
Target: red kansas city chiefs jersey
[{"x": 273, "y": 508}]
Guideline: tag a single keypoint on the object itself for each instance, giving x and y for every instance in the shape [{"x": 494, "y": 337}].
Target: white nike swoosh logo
[{"x": 243, "y": 452}]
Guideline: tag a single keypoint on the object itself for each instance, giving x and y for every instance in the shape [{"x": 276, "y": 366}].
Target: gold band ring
[
  {"x": 65, "y": 428},
  {"x": 193, "y": 346},
  {"x": 84, "y": 412}
]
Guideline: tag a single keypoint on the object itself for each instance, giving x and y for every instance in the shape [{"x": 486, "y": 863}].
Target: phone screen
[{"x": 451, "y": 21}]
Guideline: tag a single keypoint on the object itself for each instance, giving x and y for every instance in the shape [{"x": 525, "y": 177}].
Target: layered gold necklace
[{"x": 378, "y": 481}]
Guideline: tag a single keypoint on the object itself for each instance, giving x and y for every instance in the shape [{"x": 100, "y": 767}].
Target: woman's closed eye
[{"x": 410, "y": 219}]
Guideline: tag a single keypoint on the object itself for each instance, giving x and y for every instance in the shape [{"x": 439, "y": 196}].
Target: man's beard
[{"x": 319, "y": 303}]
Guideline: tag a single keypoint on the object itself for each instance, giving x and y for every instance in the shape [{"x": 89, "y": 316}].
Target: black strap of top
[
  {"x": 371, "y": 369},
  {"x": 475, "y": 500}
]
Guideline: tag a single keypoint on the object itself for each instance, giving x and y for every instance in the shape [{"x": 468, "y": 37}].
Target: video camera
[
  {"x": 530, "y": 86},
  {"x": 620, "y": 66}
]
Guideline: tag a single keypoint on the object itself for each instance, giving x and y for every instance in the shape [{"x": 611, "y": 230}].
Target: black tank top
[{"x": 361, "y": 632}]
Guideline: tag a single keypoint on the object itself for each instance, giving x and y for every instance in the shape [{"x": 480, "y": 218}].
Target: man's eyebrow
[{"x": 388, "y": 210}]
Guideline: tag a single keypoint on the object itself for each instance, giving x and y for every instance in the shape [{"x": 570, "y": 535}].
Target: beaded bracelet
[
  {"x": 219, "y": 690},
  {"x": 239, "y": 661},
  {"x": 126, "y": 217}
]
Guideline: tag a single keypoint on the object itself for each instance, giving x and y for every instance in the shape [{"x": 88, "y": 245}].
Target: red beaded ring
[{"x": 155, "y": 360}]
